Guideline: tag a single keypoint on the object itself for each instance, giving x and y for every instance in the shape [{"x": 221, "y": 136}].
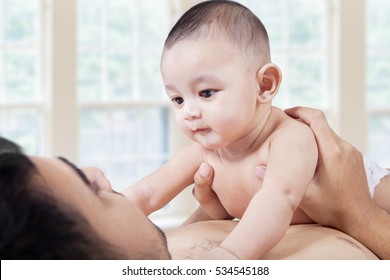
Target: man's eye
[
  {"x": 207, "y": 93},
  {"x": 177, "y": 100}
]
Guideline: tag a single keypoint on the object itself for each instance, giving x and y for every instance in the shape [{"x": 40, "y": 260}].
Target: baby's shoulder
[{"x": 285, "y": 126}]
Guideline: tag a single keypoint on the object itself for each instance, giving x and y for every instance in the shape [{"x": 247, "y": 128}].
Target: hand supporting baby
[{"x": 210, "y": 207}]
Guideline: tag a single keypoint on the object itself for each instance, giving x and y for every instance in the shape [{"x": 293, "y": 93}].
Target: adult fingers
[
  {"x": 205, "y": 195},
  {"x": 316, "y": 120},
  {"x": 203, "y": 179}
]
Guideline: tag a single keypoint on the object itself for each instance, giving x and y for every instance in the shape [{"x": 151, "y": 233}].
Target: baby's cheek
[{"x": 180, "y": 123}]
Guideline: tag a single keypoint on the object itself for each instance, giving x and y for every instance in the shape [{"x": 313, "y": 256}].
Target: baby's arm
[
  {"x": 291, "y": 165},
  {"x": 157, "y": 189}
]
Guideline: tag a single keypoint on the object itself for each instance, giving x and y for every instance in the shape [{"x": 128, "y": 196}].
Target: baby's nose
[{"x": 191, "y": 112}]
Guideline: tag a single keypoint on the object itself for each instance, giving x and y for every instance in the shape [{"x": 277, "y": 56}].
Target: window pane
[
  {"x": 89, "y": 28},
  {"x": 94, "y": 139},
  {"x": 119, "y": 75},
  {"x": 156, "y": 126},
  {"x": 378, "y": 57},
  {"x": 127, "y": 134},
  {"x": 150, "y": 77},
  {"x": 306, "y": 80},
  {"x": 120, "y": 22},
  {"x": 122, "y": 133},
  {"x": 272, "y": 18},
  {"x": 21, "y": 116},
  {"x": 20, "y": 76},
  {"x": 89, "y": 76},
  {"x": 136, "y": 138},
  {"x": 122, "y": 174},
  {"x": 25, "y": 127},
  {"x": 377, "y": 80},
  {"x": 307, "y": 23},
  {"x": 378, "y": 21},
  {"x": 119, "y": 46},
  {"x": 20, "y": 21},
  {"x": 292, "y": 22},
  {"x": 123, "y": 120},
  {"x": 379, "y": 139},
  {"x": 298, "y": 40},
  {"x": 152, "y": 22},
  {"x": 19, "y": 51}
]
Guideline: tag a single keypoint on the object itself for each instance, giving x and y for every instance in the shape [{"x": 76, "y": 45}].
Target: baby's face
[{"x": 213, "y": 89}]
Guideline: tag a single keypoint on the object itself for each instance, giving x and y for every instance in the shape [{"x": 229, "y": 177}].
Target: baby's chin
[
  {"x": 206, "y": 138},
  {"x": 207, "y": 144}
]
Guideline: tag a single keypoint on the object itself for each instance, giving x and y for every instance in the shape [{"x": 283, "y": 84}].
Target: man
[{"x": 51, "y": 210}]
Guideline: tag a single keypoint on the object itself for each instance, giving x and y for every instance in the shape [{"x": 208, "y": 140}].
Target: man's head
[{"x": 49, "y": 211}]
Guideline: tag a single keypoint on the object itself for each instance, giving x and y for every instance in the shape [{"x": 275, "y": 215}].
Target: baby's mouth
[{"x": 197, "y": 129}]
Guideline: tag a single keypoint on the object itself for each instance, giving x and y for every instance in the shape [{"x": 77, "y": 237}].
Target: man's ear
[{"x": 269, "y": 78}]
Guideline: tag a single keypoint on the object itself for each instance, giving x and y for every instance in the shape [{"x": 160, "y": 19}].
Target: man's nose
[{"x": 191, "y": 112}]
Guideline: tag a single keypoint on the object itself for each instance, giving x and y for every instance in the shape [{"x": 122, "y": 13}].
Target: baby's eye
[
  {"x": 207, "y": 93},
  {"x": 177, "y": 100}
]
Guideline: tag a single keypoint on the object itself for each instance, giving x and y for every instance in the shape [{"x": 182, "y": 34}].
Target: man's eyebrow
[{"x": 77, "y": 170}]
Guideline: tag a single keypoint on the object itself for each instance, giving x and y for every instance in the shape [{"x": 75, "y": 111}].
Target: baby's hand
[{"x": 97, "y": 178}]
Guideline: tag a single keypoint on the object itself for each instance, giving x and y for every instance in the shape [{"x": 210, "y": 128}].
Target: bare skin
[
  {"x": 234, "y": 128},
  {"x": 301, "y": 242},
  {"x": 338, "y": 196}
]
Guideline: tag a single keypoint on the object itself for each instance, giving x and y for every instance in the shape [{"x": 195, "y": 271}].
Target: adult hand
[
  {"x": 210, "y": 207},
  {"x": 339, "y": 186},
  {"x": 338, "y": 195}
]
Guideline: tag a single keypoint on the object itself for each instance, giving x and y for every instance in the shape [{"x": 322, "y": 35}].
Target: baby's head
[
  {"x": 217, "y": 72},
  {"x": 240, "y": 26}
]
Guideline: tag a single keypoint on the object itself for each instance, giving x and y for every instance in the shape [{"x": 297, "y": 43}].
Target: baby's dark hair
[
  {"x": 242, "y": 26},
  {"x": 34, "y": 224}
]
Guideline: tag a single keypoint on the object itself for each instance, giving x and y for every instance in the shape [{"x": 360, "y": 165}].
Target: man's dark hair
[
  {"x": 33, "y": 224},
  {"x": 243, "y": 28}
]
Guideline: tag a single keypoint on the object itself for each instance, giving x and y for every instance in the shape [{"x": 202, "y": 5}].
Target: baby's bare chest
[{"x": 235, "y": 184}]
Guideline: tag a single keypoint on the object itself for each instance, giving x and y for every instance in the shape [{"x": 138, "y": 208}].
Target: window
[
  {"x": 123, "y": 111},
  {"x": 378, "y": 82},
  {"x": 21, "y": 98},
  {"x": 299, "y": 39}
]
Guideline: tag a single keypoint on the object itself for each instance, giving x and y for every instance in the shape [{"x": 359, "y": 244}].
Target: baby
[{"x": 217, "y": 71}]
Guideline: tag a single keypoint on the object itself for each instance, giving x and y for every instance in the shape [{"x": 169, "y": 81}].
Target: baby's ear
[{"x": 269, "y": 78}]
